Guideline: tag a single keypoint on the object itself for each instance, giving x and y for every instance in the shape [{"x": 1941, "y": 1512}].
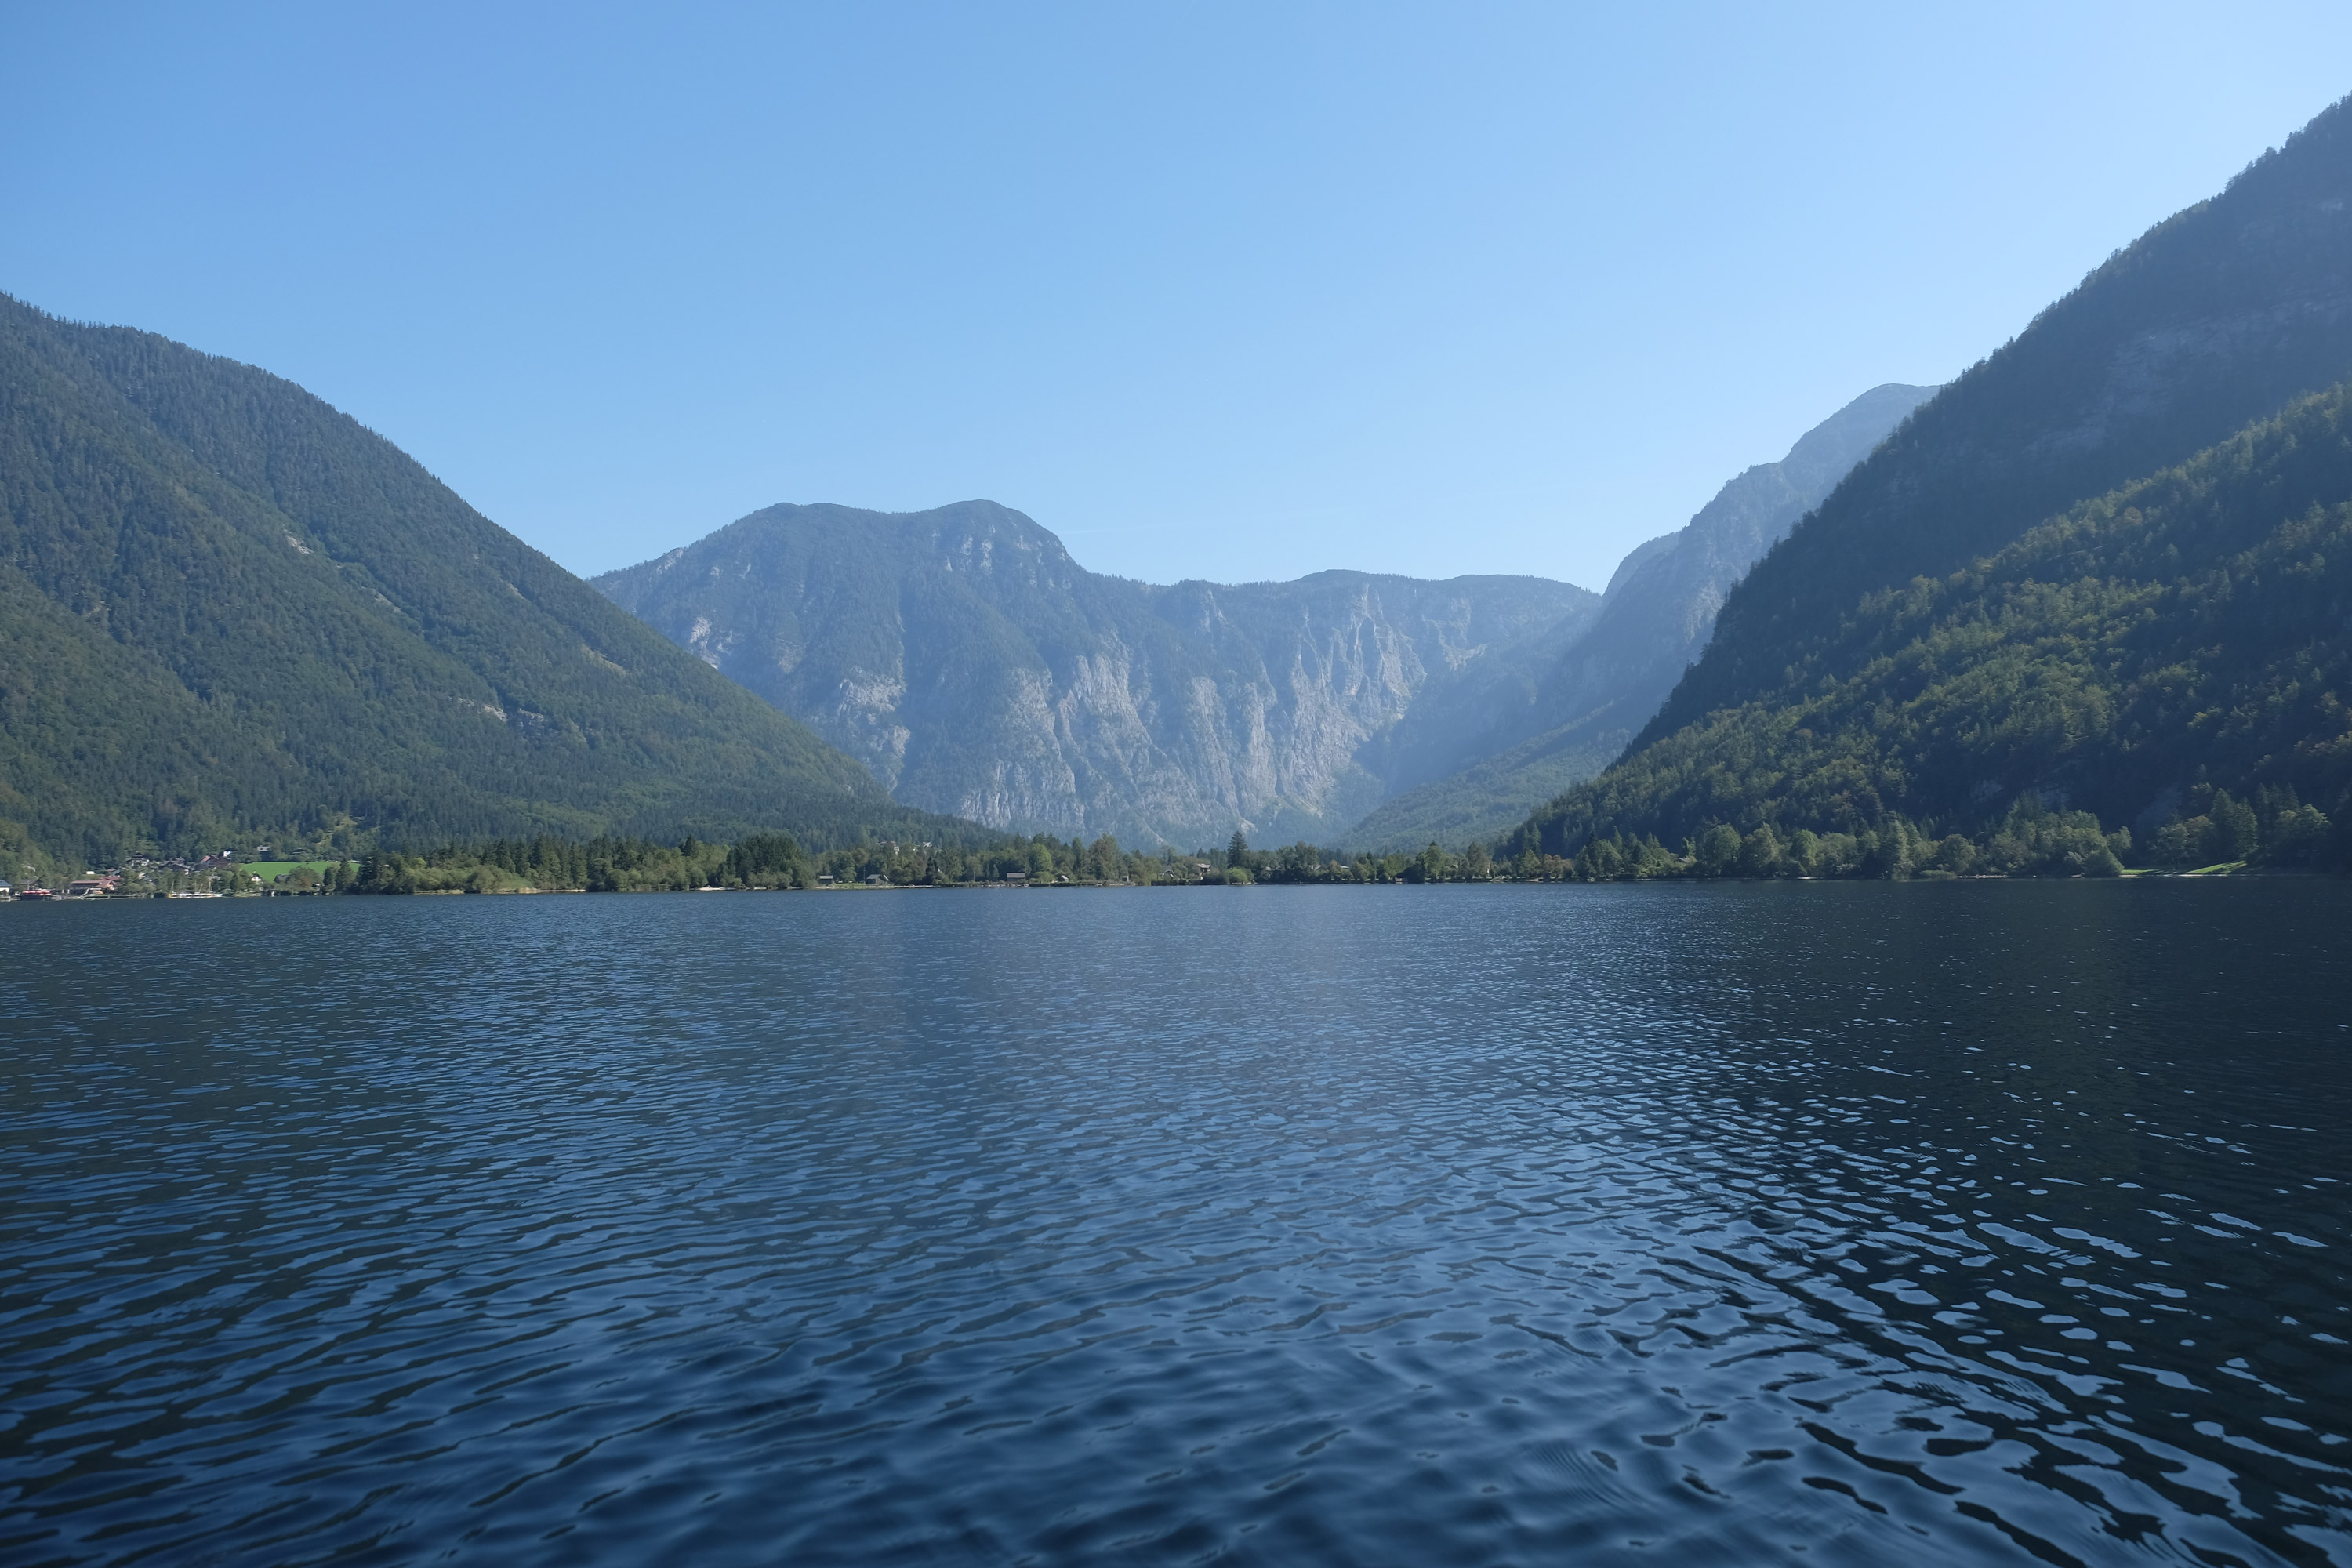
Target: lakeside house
[{"x": 94, "y": 887}]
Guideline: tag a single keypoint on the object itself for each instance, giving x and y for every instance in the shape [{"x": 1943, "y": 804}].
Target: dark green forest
[
  {"x": 227, "y": 610},
  {"x": 2031, "y": 842},
  {"x": 773, "y": 860},
  {"x": 1960, "y": 638},
  {"x": 2218, "y": 316},
  {"x": 777, "y": 861},
  {"x": 2171, "y": 659}
]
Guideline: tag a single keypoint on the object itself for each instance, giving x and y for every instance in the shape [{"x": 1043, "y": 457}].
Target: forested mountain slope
[
  {"x": 2217, "y": 317},
  {"x": 1655, "y": 618},
  {"x": 226, "y": 608},
  {"x": 978, "y": 669},
  {"x": 2214, "y": 321},
  {"x": 2180, "y": 648}
]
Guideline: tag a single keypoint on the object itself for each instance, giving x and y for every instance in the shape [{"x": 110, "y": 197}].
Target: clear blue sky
[{"x": 1226, "y": 291}]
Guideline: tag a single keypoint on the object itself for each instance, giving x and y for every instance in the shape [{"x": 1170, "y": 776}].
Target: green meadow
[{"x": 270, "y": 870}]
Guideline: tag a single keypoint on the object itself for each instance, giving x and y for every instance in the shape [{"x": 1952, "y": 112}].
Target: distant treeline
[
  {"x": 776, "y": 860},
  {"x": 2275, "y": 830},
  {"x": 760, "y": 860}
]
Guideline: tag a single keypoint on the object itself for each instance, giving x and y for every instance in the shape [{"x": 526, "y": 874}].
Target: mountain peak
[
  {"x": 250, "y": 614},
  {"x": 968, "y": 659}
]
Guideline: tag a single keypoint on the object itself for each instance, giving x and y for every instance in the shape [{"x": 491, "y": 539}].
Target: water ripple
[{"x": 1709, "y": 1226}]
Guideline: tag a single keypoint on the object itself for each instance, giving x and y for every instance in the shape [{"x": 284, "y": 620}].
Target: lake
[{"x": 1724, "y": 1224}]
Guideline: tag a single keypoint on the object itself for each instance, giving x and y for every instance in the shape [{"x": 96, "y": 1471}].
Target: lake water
[{"x": 1835, "y": 1222}]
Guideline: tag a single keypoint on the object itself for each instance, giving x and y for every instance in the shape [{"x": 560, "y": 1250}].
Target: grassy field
[{"x": 270, "y": 870}]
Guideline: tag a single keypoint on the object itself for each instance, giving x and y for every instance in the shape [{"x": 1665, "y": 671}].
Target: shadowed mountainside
[
  {"x": 1654, "y": 620},
  {"x": 2180, "y": 645},
  {"x": 2217, "y": 317},
  {"x": 2210, "y": 324},
  {"x": 226, "y": 609}
]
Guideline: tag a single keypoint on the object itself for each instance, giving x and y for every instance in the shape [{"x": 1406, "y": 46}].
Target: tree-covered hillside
[
  {"x": 226, "y": 609},
  {"x": 2218, "y": 316},
  {"x": 2176, "y": 656}
]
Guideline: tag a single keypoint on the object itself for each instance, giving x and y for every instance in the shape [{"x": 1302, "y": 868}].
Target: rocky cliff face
[
  {"x": 1618, "y": 666},
  {"x": 978, "y": 670}
]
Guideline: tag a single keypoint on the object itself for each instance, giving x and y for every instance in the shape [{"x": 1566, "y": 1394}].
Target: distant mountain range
[
  {"x": 2023, "y": 594},
  {"x": 979, "y": 670},
  {"x": 227, "y": 610}
]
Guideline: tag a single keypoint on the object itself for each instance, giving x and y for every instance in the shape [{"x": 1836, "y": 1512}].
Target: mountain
[
  {"x": 977, "y": 670},
  {"x": 1655, "y": 618},
  {"x": 2214, "y": 321},
  {"x": 228, "y": 609},
  {"x": 2184, "y": 639}
]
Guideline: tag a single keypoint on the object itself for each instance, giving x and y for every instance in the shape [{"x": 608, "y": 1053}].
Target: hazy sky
[{"x": 1225, "y": 292}]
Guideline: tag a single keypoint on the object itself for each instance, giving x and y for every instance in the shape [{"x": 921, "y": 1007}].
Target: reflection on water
[{"x": 1857, "y": 1224}]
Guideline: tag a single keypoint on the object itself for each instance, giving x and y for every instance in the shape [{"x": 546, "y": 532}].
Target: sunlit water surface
[{"x": 1961, "y": 1223}]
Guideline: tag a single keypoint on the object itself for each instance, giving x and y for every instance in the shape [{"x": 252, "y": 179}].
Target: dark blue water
[{"x": 1854, "y": 1224}]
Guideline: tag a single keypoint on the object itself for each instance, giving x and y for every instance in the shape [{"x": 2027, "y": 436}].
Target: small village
[{"x": 225, "y": 875}]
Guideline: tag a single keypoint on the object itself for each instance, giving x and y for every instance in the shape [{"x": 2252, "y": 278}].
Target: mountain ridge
[
  {"x": 2191, "y": 340},
  {"x": 2217, "y": 316},
  {"x": 228, "y": 608},
  {"x": 1657, "y": 614},
  {"x": 977, "y": 667},
  {"x": 2177, "y": 645}
]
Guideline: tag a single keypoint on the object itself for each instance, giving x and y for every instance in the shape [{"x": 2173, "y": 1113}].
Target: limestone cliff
[{"x": 978, "y": 670}]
